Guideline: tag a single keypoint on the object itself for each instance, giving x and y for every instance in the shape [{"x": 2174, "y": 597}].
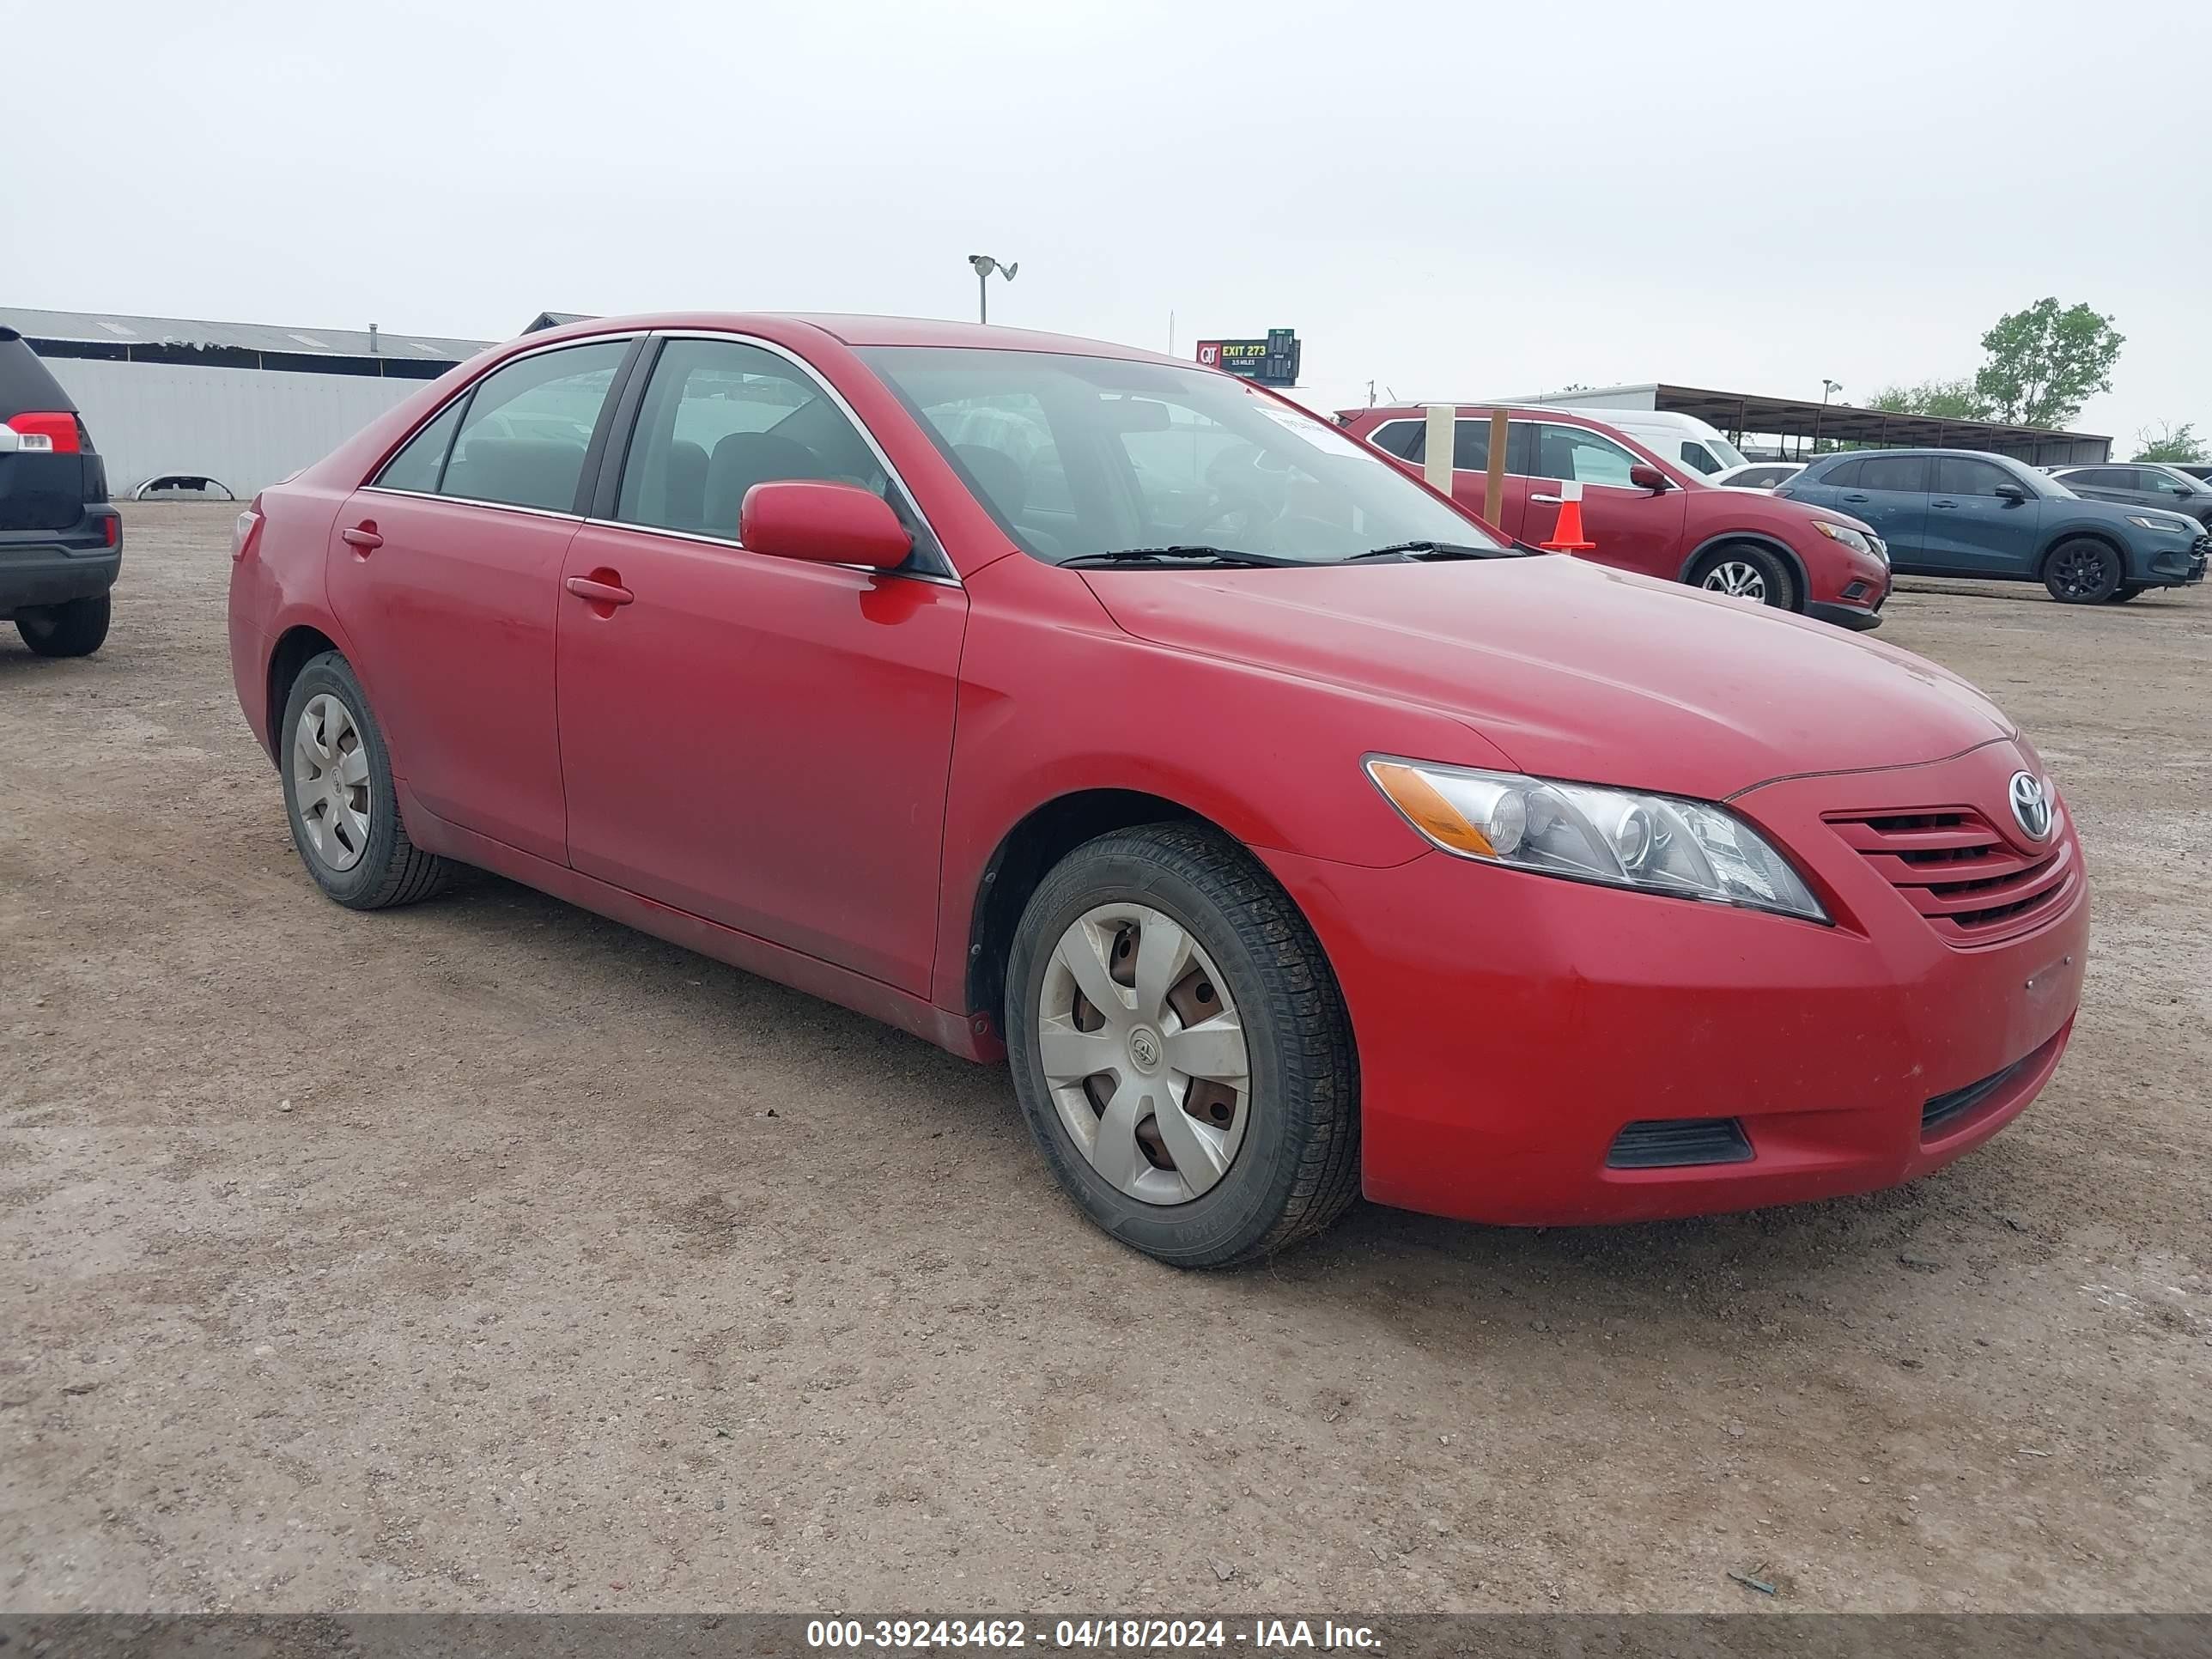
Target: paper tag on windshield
[{"x": 1291, "y": 421}]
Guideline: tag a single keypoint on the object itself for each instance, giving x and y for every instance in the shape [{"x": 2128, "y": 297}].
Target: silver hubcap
[
  {"x": 329, "y": 782},
  {"x": 1737, "y": 578},
  {"x": 1144, "y": 1054}
]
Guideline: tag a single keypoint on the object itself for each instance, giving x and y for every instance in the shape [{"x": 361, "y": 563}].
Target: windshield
[
  {"x": 1077, "y": 457},
  {"x": 1720, "y": 454}
]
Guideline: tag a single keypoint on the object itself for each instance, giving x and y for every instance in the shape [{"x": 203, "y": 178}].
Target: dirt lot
[{"x": 485, "y": 1254}]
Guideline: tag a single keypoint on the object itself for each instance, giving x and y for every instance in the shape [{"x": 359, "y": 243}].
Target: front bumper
[
  {"x": 1510, "y": 1026},
  {"x": 2179, "y": 567},
  {"x": 1859, "y": 591},
  {"x": 1860, "y": 618}
]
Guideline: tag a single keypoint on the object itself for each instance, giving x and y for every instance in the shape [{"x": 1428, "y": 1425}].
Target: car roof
[
  {"x": 854, "y": 329},
  {"x": 1517, "y": 411},
  {"x": 1972, "y": 454}
]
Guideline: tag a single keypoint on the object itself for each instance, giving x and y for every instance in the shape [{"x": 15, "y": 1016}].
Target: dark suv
[
  {"x": 1960, "y": 512},
  {"x": 2141, "y": 483},
  {"x": 61, "y": 543}
]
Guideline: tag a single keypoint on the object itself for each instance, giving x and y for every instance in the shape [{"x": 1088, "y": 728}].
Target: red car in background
[
  {"x": 1649, "y": 514},
  {"x": 1056, "y": 701}
]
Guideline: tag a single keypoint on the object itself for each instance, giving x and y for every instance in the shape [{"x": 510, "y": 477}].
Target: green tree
[
  {"x": 1951, "y": 400},
  {"x": 2172, "y": 443},
  {"x": 2045, "y": 362}
]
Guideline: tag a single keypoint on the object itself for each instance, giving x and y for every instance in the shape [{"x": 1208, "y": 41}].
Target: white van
[{"x": 1683, "y": 437}]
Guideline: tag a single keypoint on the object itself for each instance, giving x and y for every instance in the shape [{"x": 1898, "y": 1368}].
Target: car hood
[
  {"x": 2119, "y": 514},
  {"x": 1806, "y": 512},
  {"x": 1573, "y": 671}
]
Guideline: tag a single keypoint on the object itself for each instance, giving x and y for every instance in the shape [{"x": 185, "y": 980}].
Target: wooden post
[
  {"x": 1437, "y": 453},
  {"x": 1493, "y": 483}
]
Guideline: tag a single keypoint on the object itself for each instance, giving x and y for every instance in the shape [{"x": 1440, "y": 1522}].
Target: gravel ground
[{"x": 488, "y": 1255}]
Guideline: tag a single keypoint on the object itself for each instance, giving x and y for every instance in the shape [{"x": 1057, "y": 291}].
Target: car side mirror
[
  {"x": 823, "y": 522},
  {"x": 2012, "y": 492},
  {"x": 1649, "y": 478}
]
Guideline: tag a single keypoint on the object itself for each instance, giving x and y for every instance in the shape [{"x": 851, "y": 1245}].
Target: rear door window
[
  {"x": 420, "y": 465},
  {"x": 1574, "y": 452},
  {"x": 1409, "y": 441},
  {"x": 524, "y": 435},
  {"x": 1907, "y": 474}
]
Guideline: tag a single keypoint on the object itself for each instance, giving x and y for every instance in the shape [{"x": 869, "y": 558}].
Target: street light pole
[{"x": 985, "y": 264}]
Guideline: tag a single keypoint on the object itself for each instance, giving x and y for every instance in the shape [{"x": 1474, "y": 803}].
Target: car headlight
[
  {"x": 1856, "y": 540},
  {"x": 2171, "y": 526},
  {"x": 1653, "y": 843}
]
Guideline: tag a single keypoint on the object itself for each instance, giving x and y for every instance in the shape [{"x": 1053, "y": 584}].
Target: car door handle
[
  {"x": 1858, "y": 495},
  {"x": 362, "y": 537},
  {"x": 1942, "y": 503},
  {"x": 600, "y": 592}
]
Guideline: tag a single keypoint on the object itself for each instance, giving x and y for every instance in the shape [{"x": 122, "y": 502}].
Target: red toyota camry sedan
[{"x": 1290, "y": 837}]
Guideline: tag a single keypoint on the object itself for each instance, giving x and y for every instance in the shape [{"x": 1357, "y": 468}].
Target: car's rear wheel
[
  {"x": 72, "y": 629},
  {"x": 1180, "y": 1049},
  {"x": 2127, "y": 591},
  {"x": 1744, "y": 571},
  {"x": 339, "y": 799},
  {"x": 2083, "y": 570}
]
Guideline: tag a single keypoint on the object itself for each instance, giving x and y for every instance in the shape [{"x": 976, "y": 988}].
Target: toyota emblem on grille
[{"x": 2031, "y": 804}]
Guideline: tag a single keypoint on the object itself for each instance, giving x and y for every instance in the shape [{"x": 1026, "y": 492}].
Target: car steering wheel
[{"x": 1219, "y": 507}]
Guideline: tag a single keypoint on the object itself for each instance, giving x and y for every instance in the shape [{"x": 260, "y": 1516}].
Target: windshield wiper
[
  {"x": 1190, "y": 554},
  {"x": 1425, "y": 549}
]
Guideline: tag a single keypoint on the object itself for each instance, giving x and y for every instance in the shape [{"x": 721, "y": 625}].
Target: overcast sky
[{"x": 1452, "y": 199}]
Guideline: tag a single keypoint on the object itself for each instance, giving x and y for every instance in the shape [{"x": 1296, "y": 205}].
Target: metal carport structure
[{"x": 1812, "y": 423}]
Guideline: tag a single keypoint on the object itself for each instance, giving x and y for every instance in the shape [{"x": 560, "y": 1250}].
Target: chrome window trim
[
  {"x": 470, "y": 500},
  {"x": 730, "y": 545},
  {"x": 949, "y": 575}
]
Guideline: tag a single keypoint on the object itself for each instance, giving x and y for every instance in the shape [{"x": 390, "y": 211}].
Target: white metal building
[{"x": 240, "y": 405}]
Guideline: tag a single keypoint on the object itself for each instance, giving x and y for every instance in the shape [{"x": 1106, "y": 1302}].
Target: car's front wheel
[
  {"x": 75, "y": 629},
  {"x": 1745, "y": 571},
  {"x": 338, "y": 794},
  {"x": 1180, "y": 1049},
  {"x": 2083, "y": 570}
]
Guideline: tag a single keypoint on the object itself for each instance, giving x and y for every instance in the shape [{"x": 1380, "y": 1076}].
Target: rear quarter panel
[{"x": 282, "y": 584}]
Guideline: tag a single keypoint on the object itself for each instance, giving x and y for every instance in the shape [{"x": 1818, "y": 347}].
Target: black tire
[
  {"x": 2126, "y": 592},
  {"x": 1297, "y": 1167},
  {"x": 390, "y": 869},
  {"x": 1778, "y": 582},
  {"x": 2083, "y": 570},
  {"x": 72, "y": 629}
]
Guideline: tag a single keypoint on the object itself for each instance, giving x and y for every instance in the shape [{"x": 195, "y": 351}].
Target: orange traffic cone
[{"x": 1567, "y": 534}]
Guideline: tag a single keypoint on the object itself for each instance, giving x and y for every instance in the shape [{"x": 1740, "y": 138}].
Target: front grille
[
  {"x": 1944, "y": 1108},
  {"x": 1667, "y": 1143},
  {"x": 1954, "y": 868}
]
